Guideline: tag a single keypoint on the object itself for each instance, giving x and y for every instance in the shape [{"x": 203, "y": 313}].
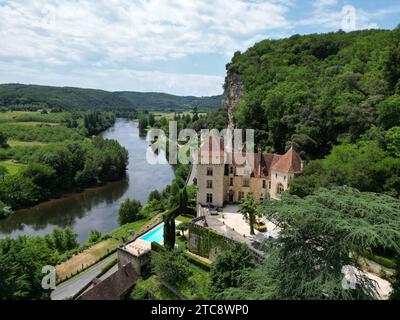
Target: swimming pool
[{"x": 155, "y": 235}]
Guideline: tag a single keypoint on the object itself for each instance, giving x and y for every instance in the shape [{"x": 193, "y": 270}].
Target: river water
[{"x": 96, "y": 208}]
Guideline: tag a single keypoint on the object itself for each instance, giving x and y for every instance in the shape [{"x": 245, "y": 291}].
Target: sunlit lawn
[
  {"x": 17, "y": 116},
  {"x": 86, "y": 258},
  {"x": 12, "y": 168}
]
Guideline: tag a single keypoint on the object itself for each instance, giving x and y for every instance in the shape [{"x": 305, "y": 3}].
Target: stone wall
[
  {"x": 279, "y": 178},
  {"x": 218, "y": 184},
  {"x": 206, "y": 243},
  {"x": 255, "y": 187},
  {"x": 124, "y": 258}
]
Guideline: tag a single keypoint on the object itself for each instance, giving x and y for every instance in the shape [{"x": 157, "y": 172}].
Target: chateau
[{"x": 221, "y": 180}]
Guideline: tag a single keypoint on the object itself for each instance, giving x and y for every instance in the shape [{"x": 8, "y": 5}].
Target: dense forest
[
  {"x": 334, "y": 95},
  {"x": 312, "y": 91},
  {"x": 33, "y": 97},
  {"x": 46, "y": 155}
]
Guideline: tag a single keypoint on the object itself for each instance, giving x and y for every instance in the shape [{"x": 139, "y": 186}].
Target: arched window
[{"x": 280, "y": 189}]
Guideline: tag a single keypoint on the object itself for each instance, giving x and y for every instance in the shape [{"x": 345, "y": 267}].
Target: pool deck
[{"x": 139, "y": 246}]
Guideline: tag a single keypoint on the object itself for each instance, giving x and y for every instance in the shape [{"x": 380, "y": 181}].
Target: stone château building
[{"x": 264, "y": 175}]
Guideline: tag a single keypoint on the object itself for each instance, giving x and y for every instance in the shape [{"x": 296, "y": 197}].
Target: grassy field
[
  {"x": 156, "y": 289},
  {"x": 183, "y": 219},
  {"x": 197, "y": 285},
  {"x": 12, "y": 168},
  {"x": 33, "y": 123},
  {"x": 27, "y": 116},
  {"x": 86, "y": 258},
  {"x": 195, "y": 288},
  {"x": 170, "y": 115}
]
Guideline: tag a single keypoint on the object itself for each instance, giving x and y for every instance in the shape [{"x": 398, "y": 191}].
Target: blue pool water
[{"x": 155, "y": 235}]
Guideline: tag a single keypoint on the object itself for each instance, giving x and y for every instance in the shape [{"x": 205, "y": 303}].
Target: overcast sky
[{"x": 173, "y": 46}]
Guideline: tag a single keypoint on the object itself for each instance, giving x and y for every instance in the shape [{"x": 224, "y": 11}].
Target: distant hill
[
  {"x": 162, "y": 101},
  {"x": 84, "y": 99}
]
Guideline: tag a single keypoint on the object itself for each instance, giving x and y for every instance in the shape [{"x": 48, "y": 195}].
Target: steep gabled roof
[{"x": 290, "y": 162}]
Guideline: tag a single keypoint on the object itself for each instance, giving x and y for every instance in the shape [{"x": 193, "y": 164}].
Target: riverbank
[{"x": 96, "y": 207}]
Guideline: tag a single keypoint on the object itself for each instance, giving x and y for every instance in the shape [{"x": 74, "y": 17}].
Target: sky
[{"x": 174, "y": 46}]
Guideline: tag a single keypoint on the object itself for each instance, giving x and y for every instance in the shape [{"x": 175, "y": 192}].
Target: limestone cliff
[{"x": 233, "y": 94}]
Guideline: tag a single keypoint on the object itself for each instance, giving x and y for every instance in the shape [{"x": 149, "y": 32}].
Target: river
[{"x": 96, "y": 208}]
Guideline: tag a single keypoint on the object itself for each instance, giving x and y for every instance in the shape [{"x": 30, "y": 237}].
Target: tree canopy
[{"x": 320, "y": 234}]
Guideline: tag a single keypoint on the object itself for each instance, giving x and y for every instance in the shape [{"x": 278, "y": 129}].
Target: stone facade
[
  {"x": 138, "y": 262},
  {"x": 270, "y": 175}
]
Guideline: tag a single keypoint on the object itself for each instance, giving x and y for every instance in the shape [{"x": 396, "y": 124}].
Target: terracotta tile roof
[
  {"x": 290, "y": 162},
  {"x": 214, "y": 147},
  {"x": 268, "y": 160}
]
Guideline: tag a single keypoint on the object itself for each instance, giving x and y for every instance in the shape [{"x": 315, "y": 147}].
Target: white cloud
[
  {"x": 330, "y": 15},
  {"x": 83, "y": 35},
  {"x": 142, "y": 30}
]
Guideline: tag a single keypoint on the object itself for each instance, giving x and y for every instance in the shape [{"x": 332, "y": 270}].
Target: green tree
[
  {"x": 330, "y": 229},
  {"x": 41, "y": 175},
  {"x": 195, "y": 116},
  {"x": 70, "y": 239},
  {"x": 3, "y": 139},
  {"x": 143, "y": 123},
  {"x": 393, "y": 141},
  {"x": 171, "y": 266},
  {"x": 183, "y": 201},
  {"x": 18, "y": 191},
  {"x": 24, "y": 258},
  {"x": 3, "y": 170},
  {"x": 389, "y": 112},
  {"x": 169, "y": 230},
  {"x": 5, "y": 210},
  {"x": 151, "y": 120},
  {"x": 182, "y": 227},
  {"x": 14, "y": 286},
  {"x": 225, "y": 271},
  {"x": 395, "y": 294},
  {"x": 154, "y": 195},
  {"x": 248, "y": 208},
  {"x": 129, "y": 211},
  {"x": 94, "y": 236}
]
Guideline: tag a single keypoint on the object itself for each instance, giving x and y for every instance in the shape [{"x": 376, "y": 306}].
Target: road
[{"x": 72, "y": 286}]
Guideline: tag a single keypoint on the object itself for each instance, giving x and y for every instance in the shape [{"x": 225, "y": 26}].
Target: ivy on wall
[{"x": 207, "y": 240}]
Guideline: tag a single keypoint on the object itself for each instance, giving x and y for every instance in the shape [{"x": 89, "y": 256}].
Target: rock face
[{"x": 233, "y": 94}]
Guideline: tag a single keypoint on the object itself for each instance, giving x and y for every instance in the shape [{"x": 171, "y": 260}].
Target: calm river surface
[{"x": 96, "y": 208}]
